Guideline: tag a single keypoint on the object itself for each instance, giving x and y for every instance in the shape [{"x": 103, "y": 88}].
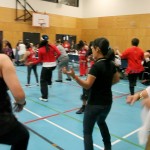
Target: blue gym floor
[{"x": 54, "y": 125}]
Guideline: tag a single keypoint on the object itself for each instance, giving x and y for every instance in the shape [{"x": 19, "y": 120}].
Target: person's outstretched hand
[
  {"x": 132, "y": 99},
  {"x": 69, "y": 72}
]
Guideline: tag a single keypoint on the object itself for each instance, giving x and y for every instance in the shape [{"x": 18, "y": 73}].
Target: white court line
[
  {"x": 124, "y": 137},
  {"x": 97, "y": 146}
]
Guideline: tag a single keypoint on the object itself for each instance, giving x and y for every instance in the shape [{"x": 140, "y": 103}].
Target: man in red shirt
[{"x": 134, "y": 56}]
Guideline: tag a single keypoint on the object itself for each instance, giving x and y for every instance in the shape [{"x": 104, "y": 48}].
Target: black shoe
[
  {"x": 81, "y": 110},
  {"x": 68, "y": 79},
  {"x": 58, "y": 80}
]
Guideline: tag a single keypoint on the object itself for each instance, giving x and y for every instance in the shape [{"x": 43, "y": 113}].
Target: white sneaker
[
  {"x": 37, "y": 84},
  {"x": 43, "y": 99}
]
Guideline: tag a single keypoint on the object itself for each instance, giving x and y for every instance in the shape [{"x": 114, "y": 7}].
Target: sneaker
[
  {"x": 37, "y": 84},
  {"x": 27, "y": 85},
  {"x": 68, "y": 79},
  {"x": 81, "y": 110},
  {"x": 43, "y": 99},
  {"x": 58, "y": 80}
]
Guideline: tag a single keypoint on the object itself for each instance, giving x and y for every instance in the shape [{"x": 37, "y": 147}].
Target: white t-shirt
[{"x": 22, "y": 49}]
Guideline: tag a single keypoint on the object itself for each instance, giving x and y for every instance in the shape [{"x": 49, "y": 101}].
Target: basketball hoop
[{"x": 42, "y": 23}]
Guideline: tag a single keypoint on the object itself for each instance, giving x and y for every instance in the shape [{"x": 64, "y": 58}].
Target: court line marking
[
  {"x": 47, "y": 140},
  {"x": 82, "y": 122},
  {"x": 113, "y": 91},
  {"x": 126, "y": 136},
  {"x": 54, "y": 124},
  {"x": 49, "y": 116},
  {"x": 120, "y": 139}
]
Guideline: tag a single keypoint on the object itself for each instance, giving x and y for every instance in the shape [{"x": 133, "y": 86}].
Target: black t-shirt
[{"x": 100, "y": 93}]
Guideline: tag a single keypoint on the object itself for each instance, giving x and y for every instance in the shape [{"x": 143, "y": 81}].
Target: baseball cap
[{"x": 45, "y": 37}]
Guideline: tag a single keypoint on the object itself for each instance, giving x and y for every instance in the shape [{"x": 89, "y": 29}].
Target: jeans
[
  {"x": 63, "y": 63},
  {"x": 29, "y": 68},
  {"x": 18, "y": 137},
  {"x": 93, "y": 114},
  {"x": 45, "y": 80}
]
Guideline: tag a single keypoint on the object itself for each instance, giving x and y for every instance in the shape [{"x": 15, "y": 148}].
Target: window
[
  {"x": 54, "y": 1},
  {"x": 74, "y": 3}
]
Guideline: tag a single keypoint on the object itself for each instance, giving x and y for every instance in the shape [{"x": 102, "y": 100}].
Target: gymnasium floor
[{"x": 54, "y": 125}]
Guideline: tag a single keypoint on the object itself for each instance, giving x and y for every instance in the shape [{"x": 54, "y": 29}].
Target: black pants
[
  {"x": 17, "y": 137},
  {"x": 45, "y": 80},
  {"x": 132, "y": 81},
  {"x": 84, "y": 95},
  {"x": 96, "y": 114},
  {"x": 29, "y": 69}
]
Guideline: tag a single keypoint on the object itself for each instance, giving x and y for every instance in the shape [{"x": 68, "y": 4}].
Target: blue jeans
[{"x": 93, "y": 114}]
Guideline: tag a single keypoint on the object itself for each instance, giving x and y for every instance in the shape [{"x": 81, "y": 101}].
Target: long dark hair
[
  {"x": 27, "y": 45},
  {"x": 44, "y": 43},
  {"x": 89, "y": 51},
  {"x": 8, "y": 44},
  {"x": 80, "y": 45},
  {"x": 103, "y": 45}
]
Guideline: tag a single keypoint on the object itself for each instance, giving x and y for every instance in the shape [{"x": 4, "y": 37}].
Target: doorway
[{"x": 31, "y": 37}]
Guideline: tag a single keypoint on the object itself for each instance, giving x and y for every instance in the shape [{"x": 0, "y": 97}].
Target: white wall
[
  {"x": 96, "y": 8},
  {"x": 88, "y": 8}
]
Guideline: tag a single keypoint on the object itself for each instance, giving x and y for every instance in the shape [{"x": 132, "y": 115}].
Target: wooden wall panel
[
  {"x": 13, "y": 30},
  {"x": 90, "y": 23},
  {"x": 62, "y": 21},
  {"x": 118, "y": 29}
]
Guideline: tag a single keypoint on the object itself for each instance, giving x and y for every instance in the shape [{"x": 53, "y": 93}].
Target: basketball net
[{"x": 42, "y": 23}]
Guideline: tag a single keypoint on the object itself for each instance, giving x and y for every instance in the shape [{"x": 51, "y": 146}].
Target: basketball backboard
[{"x": 40, "y": 20}]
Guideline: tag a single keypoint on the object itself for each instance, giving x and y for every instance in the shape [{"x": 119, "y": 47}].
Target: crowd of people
[{"x": 101, "y": 74}]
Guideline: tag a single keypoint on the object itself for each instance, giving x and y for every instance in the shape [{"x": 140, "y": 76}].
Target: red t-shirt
[
  {"x": 31, "y": 57},
  {"x": 134, "y": 56},
  {"x": 50, "y": 56}
]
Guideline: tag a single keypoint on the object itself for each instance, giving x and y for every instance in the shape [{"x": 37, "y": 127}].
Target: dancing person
[
  {"x": 101, "y": 77},
  {"x": 8, "y": 50},
  {"x": 134, "y": 56},
  {"x": 47, "y": 54},
  {"x": 63, "y": 61},
  {"x": 29, "y": 56},
  {"x": 12, "y": 132},
  {"x": 83, "y": 67},
  {"x": 84, "y": 95}
]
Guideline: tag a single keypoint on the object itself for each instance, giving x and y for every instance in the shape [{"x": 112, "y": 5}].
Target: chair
[{"x": 146, "y": 76}]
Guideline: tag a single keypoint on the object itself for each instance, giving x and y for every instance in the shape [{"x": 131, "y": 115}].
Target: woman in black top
[
  {"x": 99, "y": 81},
  {"x": 12, "y": 132}
]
